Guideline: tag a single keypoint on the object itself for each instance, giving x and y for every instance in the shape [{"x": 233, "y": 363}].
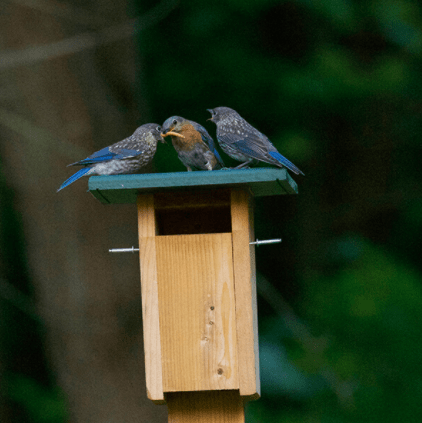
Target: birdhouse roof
[{"x": 121, "y": 189}]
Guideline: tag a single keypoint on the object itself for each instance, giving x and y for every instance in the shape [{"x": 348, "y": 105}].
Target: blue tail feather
[
  {"x": 287, "y": 163},
  {"x": 219, "y": 159},
  {"x": 74, "y": 177}
]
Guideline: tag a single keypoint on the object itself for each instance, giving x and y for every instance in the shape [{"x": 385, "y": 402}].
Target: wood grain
[
  {"x": 149, "y": 290},
  {"x": 205, "y": 407},
  {"x": 245, "y": 292},
  {"x": 197, "y": 312}
]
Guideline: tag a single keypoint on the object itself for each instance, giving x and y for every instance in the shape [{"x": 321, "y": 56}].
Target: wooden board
[
  {"x": 245, "y": 291},
  {"x": 118, "y": 189},
  {"x": 149, "y": 290},
  {"x": 205, "y": 407},
  {"x": 197, "y": 312}
]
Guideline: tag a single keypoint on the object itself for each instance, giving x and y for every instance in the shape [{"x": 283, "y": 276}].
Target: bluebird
[
  {"x": 194, "y": 145},
  {"x": 243, "y": 142},
  {"x": 126, "y": 156}
]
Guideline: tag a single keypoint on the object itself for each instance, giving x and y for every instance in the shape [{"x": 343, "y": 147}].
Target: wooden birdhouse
[{"x": 198, "y": 284}]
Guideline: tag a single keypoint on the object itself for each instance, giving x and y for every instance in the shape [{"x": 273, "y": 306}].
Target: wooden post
[
  {"x": 198, "y": 285},
  {"x": 205, "y": 407}
]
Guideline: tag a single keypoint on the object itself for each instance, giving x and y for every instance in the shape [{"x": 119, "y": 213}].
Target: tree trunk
[{"x": 54, "y": 112}]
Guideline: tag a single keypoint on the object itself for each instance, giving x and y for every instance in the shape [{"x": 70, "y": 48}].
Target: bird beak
[
  {"x": 175, "y": 134},
  {"x": 209, "y": 110}
]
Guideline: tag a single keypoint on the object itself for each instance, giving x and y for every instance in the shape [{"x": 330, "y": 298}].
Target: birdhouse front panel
[{"x": 197, "y": 312}]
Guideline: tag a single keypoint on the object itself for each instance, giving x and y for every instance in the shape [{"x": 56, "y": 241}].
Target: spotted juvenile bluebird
[
  {"x": 126, "y": 156},
  {"x": 194, "y": 145},
  {"x": 243, "y": 142}
]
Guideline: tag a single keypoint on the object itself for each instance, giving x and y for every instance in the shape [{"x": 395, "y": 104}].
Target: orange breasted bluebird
[
  {"x": 194, "y": 145},
  {"x": 126, "y": 156},
  {"x": 243, "y": 142}
]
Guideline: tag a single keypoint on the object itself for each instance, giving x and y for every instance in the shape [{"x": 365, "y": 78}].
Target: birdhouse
[{"x": 197, "y": 261}]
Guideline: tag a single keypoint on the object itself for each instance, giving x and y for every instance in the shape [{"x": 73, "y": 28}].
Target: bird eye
[
  {"x": 175, "y": 122},
  {"x": 158, "y": 128}
]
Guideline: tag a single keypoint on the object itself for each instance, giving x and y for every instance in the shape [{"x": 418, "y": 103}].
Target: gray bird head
[
  {"x": 173, "y": 125},
  {"x": 221, "y": 113},
  {"x": 150, "y": 129}
]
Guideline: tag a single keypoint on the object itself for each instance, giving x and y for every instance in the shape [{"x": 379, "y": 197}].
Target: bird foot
[{"x": 242, "y": 167}]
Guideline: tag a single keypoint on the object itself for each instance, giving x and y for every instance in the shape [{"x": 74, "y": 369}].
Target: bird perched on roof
[
  {"x": 243, "y": 142},
  {"x": 194, "y": 145},
  {"x": 126, "y": 156}
]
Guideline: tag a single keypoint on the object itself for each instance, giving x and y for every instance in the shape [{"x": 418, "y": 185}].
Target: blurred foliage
[
  {"x": 40, "y": 405},
  {"x": 362, "y": 362},
  {"x": 26, "y": 382},
  {"x": 336, "y": 86}
]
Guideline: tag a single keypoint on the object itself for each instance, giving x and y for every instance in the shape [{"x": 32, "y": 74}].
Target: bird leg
[{"x": 244, "y": 164}]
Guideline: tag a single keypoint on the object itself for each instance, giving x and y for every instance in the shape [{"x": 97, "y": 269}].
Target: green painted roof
[{"x": 120, "y": 189}]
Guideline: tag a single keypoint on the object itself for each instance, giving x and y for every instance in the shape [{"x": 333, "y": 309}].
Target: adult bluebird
[
  {"x": 194, "y": 145},
  {"x": 243, "y": 142},
  {"x": 126, "y": 156}
]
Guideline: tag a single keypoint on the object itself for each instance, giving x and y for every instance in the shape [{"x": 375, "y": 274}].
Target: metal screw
[
  {"x": 266, "y": 241},
  {"x": 123, "y": 250},
  {"x": 257, "y": 243}
]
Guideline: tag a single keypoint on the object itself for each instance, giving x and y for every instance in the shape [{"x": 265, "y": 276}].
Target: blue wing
[
  {"x": 245, "y": 148},
  {"x": 74, "y": 177},
  {"x": 206, "y": 137},
  {"x": 105, "y": 155},
  {"x": 258, "y": 152},
  {"x": 218, "y": 157}
]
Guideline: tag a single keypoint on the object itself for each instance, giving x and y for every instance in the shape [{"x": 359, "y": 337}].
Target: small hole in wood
[{"x": 220, "y": 371}]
